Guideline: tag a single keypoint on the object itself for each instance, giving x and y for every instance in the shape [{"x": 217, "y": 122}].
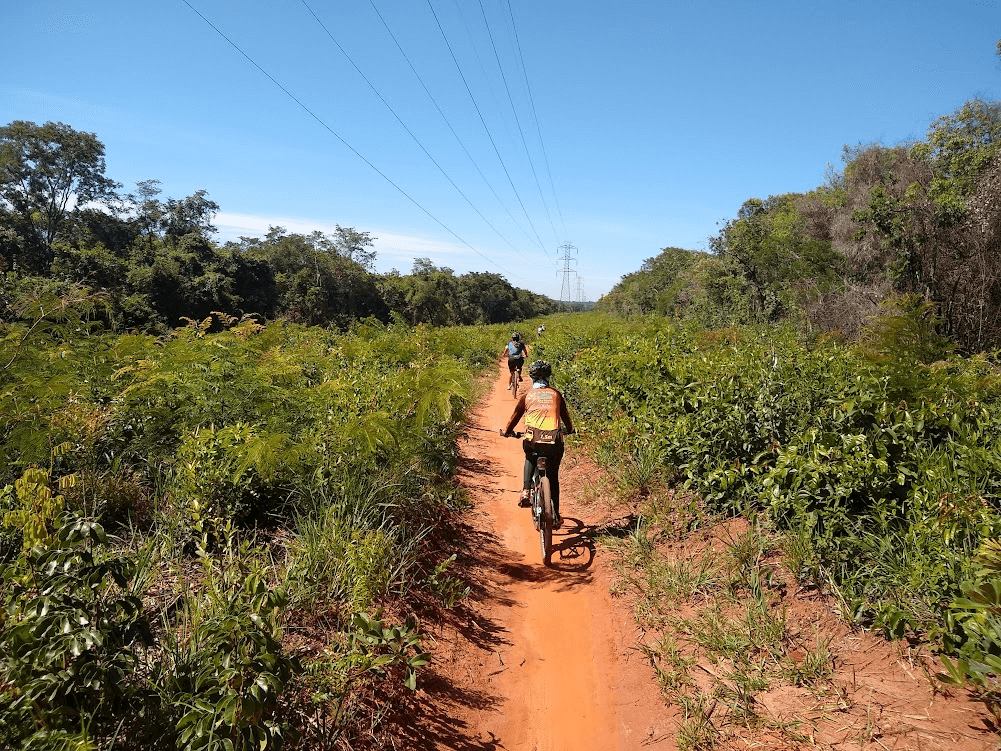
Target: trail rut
[
  {"x": 549, "y": 659},
  {"x": 541, "y": 658}
]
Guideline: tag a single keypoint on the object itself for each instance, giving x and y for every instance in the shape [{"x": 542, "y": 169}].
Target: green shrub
[
  {"x": 226, "y": 670},
  {"x": 882, "y": 460},
  {"x": 976, "y": 618},
  {"x": 72, "y": 635}
]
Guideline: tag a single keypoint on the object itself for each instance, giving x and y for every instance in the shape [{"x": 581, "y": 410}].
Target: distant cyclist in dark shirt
[
  {"x": 544, "y": 408},
  {"x": 516, "y": 351}
]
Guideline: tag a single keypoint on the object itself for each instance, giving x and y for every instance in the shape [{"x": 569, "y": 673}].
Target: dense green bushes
[
  {"x": 257, "y": 477},
  {"x": 885, "y": 469}
]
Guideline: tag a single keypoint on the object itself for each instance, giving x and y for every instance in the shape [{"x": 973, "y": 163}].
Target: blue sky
[{"x": 657, "y": 119}]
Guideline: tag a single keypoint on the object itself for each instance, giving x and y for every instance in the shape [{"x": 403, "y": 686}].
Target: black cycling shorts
[{"x": 515, "y": 362}]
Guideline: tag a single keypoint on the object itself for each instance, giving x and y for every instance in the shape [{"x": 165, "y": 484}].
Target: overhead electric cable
[
  {"x": 538, "y": 129},
  {"x": 410, "y": 132},
  {"x": 476, "y": 53},
  {"x": 447, "y": 122},
  {"x": 517, "y": 120},
  {"x": 348, "y": 145},
  {"x": 492, "y": 143}
]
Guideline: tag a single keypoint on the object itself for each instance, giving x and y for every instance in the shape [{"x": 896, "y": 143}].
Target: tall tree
[
  {"x": 46, "y": 171},
  {"x": 149, "y": 210},
  {"x": 354, "y": 246},
  {"x": 189, "y": 216},
  {"x": 959, "y": 149}
]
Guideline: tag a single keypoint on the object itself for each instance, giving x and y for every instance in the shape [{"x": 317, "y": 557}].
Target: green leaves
[
  {"x": 976, "y": 637},
  {"x": 70, "y": 637},
  {"x": 888, "y": 475},
  {"x": 345, "y": 440},
  {"x": 389, "y": 647},
  {"x": 231, "y": 670}
]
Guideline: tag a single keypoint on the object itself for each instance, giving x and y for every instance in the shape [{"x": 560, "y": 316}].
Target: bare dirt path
[{"x": 543, "y": 660}]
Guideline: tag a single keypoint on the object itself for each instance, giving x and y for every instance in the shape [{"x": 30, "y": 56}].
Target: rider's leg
[
  {"x": 554, "y": 455},
  {"x": 529, "y": 464},
  {"x": 529, "y": 470}
]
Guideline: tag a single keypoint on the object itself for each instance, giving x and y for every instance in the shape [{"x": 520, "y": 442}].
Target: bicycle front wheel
[{"x": 546, "y": 521}]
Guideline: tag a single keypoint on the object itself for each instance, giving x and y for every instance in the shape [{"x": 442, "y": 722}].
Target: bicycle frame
[
  {"x": 542, "y": 507},
  {"x": 542, "y": 504},
  {"x": 515, "y": 379}
]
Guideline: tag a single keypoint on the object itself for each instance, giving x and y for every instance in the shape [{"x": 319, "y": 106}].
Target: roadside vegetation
[
  {"x": 876, "y": 463},
  {"x": 222, "y": 540}
]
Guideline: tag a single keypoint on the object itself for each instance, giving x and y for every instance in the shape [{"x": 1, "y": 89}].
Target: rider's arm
[
  {"x": 519, "y": 410},
  {"x": 565, "y": 414}
]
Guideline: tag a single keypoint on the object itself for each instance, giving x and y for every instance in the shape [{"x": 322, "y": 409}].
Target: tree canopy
[
  {"x": 154, "y": 263},
  {"x": 918, "y": 219},
  {"x": 45, "y": 172}
]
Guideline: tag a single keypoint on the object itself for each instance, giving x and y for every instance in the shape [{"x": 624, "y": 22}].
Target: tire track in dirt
[{"x": 544, "y": 661}]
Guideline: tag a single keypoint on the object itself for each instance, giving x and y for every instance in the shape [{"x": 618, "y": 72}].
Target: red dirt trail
[
  {"x": 542, "y": 659},
  {"x": 545, "y": 661}
]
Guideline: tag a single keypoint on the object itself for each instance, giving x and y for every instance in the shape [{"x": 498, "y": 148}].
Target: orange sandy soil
[{"x": 545, "y": 658}]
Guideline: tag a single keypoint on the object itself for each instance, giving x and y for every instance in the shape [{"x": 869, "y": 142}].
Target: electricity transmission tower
[
  {"x": 566, "y": 291},
  {"x": 580, "y": 292}
]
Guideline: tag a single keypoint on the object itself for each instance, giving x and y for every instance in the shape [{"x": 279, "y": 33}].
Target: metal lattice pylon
[{"x": 566, "y": 289}]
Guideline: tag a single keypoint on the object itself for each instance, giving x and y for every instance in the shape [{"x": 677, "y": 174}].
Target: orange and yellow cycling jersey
[{"x": 543, "y": 409}]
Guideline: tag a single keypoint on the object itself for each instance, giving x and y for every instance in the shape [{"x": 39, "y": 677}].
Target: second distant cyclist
[{"x": 516, "y": 351}]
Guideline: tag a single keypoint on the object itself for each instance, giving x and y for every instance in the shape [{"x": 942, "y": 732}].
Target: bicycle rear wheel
[
  {"x": 546, "y": 520},
  {"x": 514, "y": 383}
]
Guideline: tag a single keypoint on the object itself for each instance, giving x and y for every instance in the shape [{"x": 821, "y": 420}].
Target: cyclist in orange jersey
[{"x": 543, "y": 408}]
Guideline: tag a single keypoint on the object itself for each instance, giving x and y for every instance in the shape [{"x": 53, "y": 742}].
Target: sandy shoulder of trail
[{"x": 545, "y": 658}]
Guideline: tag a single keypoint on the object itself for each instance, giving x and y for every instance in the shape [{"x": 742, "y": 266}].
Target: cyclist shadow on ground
[
  {"x": 574, "y": 543},
  {"x": 574, "y": 550},
  {"x": 573, "y": 546}
]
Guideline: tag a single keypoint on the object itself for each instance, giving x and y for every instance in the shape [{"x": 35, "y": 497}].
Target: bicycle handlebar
[{"x": 516, "y": 434}]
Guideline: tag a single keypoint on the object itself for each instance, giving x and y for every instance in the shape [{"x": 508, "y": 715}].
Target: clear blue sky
[{"x": 658, "y": 119}]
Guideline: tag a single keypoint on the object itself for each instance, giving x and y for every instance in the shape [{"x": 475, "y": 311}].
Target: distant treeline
[
  {"x": 65, "y": 226},
  {"x": 919, "y": 221}
]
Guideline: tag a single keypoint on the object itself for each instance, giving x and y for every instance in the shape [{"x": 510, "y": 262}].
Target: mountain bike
[
  {"x": 542, "y": 504},
  {"x": 515, "y": 380}
]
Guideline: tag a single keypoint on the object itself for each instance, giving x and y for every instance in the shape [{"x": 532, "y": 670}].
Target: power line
[
  {"x": 475, "y": 47},
  {"x": 447, "y": 122},
  {"x": 410, "y": 132},
  {"x": 517, "y": 120},
  {"x": 484, "y": 122},
  {"x": 349, "y": 146},
  {"x": 538, "y": 129}
]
